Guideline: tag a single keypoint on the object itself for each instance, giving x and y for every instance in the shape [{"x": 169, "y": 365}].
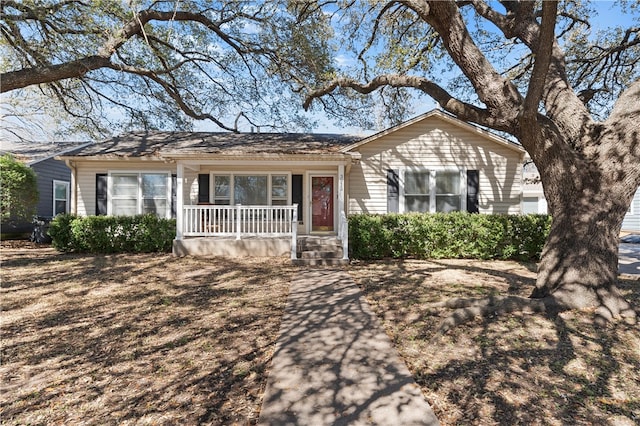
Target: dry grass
[
  {"x": 515, "y": 369},
  {"x": 136, "y": 339},
  {"x": 153, "y": 339}
]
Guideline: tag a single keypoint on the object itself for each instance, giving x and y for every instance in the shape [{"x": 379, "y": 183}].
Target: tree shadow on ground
[
  {"x": 152, "y": 338},
  {"x": 506, "y": 369}
]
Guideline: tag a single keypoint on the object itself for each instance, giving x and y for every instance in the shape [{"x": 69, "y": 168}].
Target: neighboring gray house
[{"x": 53, "y": 176}]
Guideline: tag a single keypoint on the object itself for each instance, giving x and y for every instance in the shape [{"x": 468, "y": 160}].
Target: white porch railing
[{"x": 240, "y": 221}]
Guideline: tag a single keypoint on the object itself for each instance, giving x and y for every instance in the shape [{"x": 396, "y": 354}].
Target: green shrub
[
  {"x": 447, "y": 235},
  {"x": 19, "y": 194},
  {"x": 112, "y": 234}
]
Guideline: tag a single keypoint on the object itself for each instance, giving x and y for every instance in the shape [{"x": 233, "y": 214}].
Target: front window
[
  {"x": 433, "y": 191},
  {"x": 251, "y": 190},
  {"x": 60, "y": 197},
  {"x": 448, "y": 194},
  {"x": 140, "y": 193},
  {"x": 222, "y": 190},
  {"x": 124, "y": 195},
  {"x": 155, "y": 187},
  {"x": 417, "y": 191},
  {"x": 279, "y": 193}
]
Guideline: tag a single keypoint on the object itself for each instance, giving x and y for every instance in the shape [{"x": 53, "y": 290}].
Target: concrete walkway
[
  {"x": 333, "y": 363},
  {"x": 629, "y": 259}
]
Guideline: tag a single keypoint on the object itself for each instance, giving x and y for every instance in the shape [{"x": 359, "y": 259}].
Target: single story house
[
  {"x": 257, "y": 193},
  {"x": 53, "y": 177}
]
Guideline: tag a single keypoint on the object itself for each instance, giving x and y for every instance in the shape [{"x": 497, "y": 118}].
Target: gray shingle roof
[
  {"x": 35, "y": 151},
  {"x": 142, "y": 144}
]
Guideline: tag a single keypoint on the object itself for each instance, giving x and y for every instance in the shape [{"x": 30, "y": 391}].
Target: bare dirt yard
[
  {"x": 516, "y": 369},
  {"x": 153, "y": 339},
  {"x": 136, "y": 339}
]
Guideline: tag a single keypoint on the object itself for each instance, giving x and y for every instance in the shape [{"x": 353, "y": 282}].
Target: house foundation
[{"x": 231, "y": 247}]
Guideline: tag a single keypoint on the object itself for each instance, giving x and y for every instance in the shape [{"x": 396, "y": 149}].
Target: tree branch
[
  {"x": 449, "y": 103},
  {"x": 13, "y": 80},
  {"x": 174, "y": 93},
  {"x": 77, "y": 68},
  {"x": 498, "y": 93},
  {"x": 542, "y": 61}
]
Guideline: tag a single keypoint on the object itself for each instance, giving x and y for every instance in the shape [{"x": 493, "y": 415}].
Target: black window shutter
[
  {"x": 203, "y": 188},
  {"x": 174, "y": 195},
  {"x": 473, "y": 185},
  {"x": 393, "y": 191},
  {"x": 101, "y": 194},
  {"x": 296, "y": 194}
]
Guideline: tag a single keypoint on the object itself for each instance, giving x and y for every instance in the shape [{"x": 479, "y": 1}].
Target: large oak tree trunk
[{"x": 588, "y": 200}]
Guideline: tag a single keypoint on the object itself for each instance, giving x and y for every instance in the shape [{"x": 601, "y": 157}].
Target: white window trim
[
  {"x": 433, "y": 171},
  {"x": 232, "y": 175},
  {"x": 68, "y": 192},
  {"x": 139, "y": 174}
]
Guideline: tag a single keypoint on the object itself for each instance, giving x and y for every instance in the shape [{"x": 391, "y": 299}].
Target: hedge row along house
[{"x": 265, "y": 194}]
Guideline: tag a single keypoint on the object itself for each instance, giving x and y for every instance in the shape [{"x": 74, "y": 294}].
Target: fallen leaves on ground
[{"x": 512, "y": 369}]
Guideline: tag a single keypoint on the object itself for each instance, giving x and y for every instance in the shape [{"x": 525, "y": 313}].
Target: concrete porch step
[
  {"x": 322, "y": 254},
  {"x": 320, "y": 262},
  {"x": 319, "y": 250}
]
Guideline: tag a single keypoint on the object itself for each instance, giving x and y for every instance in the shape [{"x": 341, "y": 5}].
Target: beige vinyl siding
[
  {"x": 436, "y": 144},
  {"x": 87, "y": 170},
  {"x": 86, "y": 178}
]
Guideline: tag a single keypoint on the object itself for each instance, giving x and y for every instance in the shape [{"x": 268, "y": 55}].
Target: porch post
[
  {"x": 294, "y": 232},
  {"x": 179, "y": 201},
  {"x": 340, "y": 190},
  {"x": 342, "y": 227}
]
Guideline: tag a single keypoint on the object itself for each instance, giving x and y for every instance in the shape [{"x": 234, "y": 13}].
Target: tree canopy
[{"x": 155, "y": 64}]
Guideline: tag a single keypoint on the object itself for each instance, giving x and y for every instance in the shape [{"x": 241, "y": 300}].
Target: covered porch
[{"x": 212, "y": 220}]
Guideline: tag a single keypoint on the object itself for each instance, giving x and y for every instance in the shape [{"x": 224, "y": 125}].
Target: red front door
[{"x": 322, "y": 203}]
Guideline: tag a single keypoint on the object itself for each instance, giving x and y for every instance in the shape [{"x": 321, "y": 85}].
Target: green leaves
[
  {"x": 112, "y": 234},
  {"x": 448, "y": 235},
  {"x": 18, "y": 191}
]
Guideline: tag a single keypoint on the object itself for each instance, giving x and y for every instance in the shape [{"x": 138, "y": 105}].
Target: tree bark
[{"x": 588, "y": 199}]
